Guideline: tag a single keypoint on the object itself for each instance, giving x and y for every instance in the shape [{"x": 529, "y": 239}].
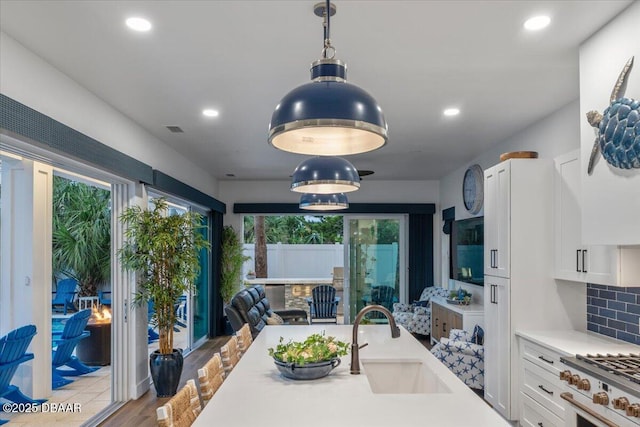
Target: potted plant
[
  {"x": 164, "y": 251},
  {"x": 232, "y": 260},
  {"x": 251, "y": 274}
]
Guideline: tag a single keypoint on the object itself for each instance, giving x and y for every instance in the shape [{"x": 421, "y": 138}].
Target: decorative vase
[
  {"x": 251, "y": 276},
  {"x": 308, "y": 371},
  {"x": 166, "y": 370}
]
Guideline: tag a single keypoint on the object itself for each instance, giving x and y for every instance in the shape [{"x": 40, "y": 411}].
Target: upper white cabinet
[
  {"x": 599, "y": 264},
  {"x": 497, "y": 212}
]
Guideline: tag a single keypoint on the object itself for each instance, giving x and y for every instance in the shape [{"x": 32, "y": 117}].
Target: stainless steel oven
[{"x": 602, "y": 391}]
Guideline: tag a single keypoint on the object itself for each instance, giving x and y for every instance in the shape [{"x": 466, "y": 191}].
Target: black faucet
[{"x": 355, "y": 349}]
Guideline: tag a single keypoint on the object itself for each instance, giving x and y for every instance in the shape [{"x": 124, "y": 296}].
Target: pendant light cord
[{"x": 327, "y": 33}]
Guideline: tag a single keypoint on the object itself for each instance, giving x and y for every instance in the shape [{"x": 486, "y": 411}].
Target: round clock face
[{"x": 472, "y": 189}]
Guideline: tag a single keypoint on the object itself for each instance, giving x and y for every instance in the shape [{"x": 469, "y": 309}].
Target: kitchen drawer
[
  {"x": 543, "y": 387},
  {"x": 543, "y": 357},
  {"x": 532, "y": 414}
]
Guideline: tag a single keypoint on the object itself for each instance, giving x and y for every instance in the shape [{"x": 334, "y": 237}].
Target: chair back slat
[
  {"x": 182, "y": 409},
  {"x": 211, "y": 377},
  {"x": 13, "y": 351},
  {"x": 324, "y": 303},
  {"x": 65, "y": 291},
  {"x": 230, "y": 354},
  {"x": 76, "y": 324},
  {"x": 244, "y": 338}
]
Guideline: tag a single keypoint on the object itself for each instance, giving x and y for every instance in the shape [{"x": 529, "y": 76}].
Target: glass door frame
[{"x": 403, "y": 248}]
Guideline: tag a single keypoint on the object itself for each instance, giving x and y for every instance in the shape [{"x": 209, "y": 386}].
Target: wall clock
[{"x": 473, "y": 189}]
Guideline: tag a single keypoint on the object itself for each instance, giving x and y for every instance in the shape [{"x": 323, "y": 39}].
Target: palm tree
[{"x": 81, "y": 234}]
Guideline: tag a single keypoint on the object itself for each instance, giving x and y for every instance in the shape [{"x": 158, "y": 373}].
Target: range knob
[
  {"x": 601, "y": 398},
  {"x": 620, "y": 403},
  {"x": 584, "y": 384},
  {"x": 565, "y": 375},
  {"x": 633, "y": 410},
  {"x": 575, "y": 379}
]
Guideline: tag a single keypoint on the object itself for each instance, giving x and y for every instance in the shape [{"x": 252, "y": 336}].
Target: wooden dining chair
[
  {"x": 211, "y": 377},
  {"x": 230, "y": 353},
  {"x": 244, "y": 338},
  {"x": 182, "y": 409}
]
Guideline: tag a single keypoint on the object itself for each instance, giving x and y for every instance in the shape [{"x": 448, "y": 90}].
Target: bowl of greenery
[{"x": 313, "y": 358}]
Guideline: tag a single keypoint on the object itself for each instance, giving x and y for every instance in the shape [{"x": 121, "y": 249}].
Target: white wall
[
  {"x": 28, "y": 79},
  {"x": 610, "y": 196},
  {"x": 556, "y": 134}
]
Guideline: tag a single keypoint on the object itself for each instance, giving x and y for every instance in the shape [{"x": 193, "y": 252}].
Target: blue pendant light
[
  {"x": 328, "y": 117},
  {"x": 325, "y": 175},
  {"x": 324, "y": 202}
]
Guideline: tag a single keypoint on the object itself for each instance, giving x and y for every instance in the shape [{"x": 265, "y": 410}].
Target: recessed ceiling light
[
  {"x": 210, "y": 113},
  {"x": 451, "y": 112},
  {"x": 537, "y": 23},
  {"x": 138, "y": 24}
]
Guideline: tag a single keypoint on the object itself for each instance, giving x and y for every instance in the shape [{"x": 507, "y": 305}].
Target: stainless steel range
[{"x": 602, "y": 390}]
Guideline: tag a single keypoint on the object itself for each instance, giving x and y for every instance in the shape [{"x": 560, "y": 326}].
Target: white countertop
[
  {"x": 574, "y": 342},
  {"x": 255, "y": 393},
  {"x": 289, "y": 281}
]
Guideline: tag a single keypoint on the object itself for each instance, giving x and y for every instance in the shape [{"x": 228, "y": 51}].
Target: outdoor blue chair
[
  {"x": 104, "y": 298},
  {"x": 380, "y": 295},
  {"x": 323, "y": 304},
  {"x": 13, "y": 352},
  {"x": 65, "y": 295},
  {"x": 63, "y": 354}
]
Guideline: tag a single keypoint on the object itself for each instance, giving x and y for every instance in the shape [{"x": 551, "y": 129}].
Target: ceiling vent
[{"x": 175, "y": 129}]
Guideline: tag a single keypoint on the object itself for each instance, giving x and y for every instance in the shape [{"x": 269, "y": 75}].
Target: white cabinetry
[
  {"x": 497, "y": 225},
  {"x": 445, "y": 317},
  {"x": 600, "y": 264},
  {"x": 497, "y": 341},
  {"x": 540, "y": 402},
  {"x": 519, "y": 290}
]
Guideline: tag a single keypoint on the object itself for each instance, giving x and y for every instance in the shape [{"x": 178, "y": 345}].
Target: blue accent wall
[{"x": 614, "y": 311}]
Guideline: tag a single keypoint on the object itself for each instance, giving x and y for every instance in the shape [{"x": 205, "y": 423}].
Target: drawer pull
[
  {"x": 544, "y": 359},
  {"x": 541, "y": 387}
]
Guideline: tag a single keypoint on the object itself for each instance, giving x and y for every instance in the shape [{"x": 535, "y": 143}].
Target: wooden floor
[{"x": 142, "y": 412}]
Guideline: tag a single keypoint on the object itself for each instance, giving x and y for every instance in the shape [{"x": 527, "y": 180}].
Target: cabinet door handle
[
  {"x": 578, "y": 260},
  {"x": 544, "y": 359},
  {"x": 436, "y": 322},
  {"x": 496, "y": 258},
  {"x": 541, "y": 387},
  {"x": 584, "y": 270},
  {"x": 444, "y": 327}
]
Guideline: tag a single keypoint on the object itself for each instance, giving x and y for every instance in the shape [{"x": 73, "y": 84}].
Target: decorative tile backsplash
[{"x": 614, "y": 311}]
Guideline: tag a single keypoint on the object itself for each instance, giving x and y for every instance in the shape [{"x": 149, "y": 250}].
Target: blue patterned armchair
[
  {"x": 462, "y": 356},
  {"x": 416, "y": 317}
]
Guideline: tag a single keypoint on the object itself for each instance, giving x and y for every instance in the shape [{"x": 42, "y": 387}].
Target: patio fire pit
[{"x": 95, "y": 350}]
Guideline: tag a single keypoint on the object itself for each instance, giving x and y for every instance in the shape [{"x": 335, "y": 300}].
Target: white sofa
[{"x": 416, "y": 318}]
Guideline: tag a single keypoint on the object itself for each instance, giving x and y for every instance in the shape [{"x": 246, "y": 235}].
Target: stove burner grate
[{"x": 625, "y": 365}]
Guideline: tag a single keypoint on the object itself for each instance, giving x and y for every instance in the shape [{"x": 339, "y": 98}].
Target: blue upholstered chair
[
  {"x": 463, "y": 354},
  {"x": 416, "y": 317},
  {"x": 13, "y": 352}
]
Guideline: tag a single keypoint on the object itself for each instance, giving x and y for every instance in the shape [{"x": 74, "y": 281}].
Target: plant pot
[
  {"x": 166, "y": 370},
  {"x": 251, "y": 276},
  {"x": 308, "y": 371}
]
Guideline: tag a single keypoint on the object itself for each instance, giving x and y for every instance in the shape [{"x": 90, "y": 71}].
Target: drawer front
[
  {"x": 532, "y": 414},
  {"x": 543, "y": 357},
  {"x": 543, "y": 387}
]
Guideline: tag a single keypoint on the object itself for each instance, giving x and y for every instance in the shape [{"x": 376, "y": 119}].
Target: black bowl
[{"x": 308, "y": 371}]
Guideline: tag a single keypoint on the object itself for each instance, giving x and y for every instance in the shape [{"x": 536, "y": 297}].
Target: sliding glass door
[{"x": 374, "y": 262}]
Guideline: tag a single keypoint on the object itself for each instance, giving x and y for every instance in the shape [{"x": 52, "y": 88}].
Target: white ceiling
[{"x": 241, "y": 57}]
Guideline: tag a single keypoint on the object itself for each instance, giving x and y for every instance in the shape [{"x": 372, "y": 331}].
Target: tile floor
[{"x": 91, "y": 391}]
